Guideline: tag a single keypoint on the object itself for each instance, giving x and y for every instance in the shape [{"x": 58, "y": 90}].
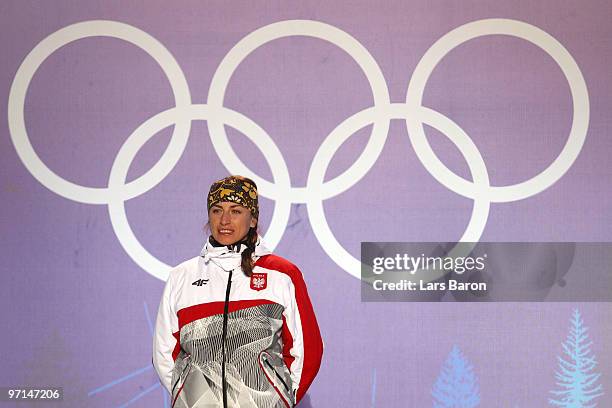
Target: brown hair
[{"x": 247, "y": 263}]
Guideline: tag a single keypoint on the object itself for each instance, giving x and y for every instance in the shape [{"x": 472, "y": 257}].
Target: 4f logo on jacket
[
  {"x": 200, "y": 282},
  {"x": 259, "y": 281}
]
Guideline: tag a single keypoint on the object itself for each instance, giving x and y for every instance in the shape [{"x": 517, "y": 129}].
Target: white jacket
[{"x": 264, "y": 339}]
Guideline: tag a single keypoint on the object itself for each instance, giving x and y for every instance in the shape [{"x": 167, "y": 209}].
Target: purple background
[{"x": 74, "y": 304}]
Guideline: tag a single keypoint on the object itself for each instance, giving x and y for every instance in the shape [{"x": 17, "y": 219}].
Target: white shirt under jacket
[{"x": 273, "y": 346}]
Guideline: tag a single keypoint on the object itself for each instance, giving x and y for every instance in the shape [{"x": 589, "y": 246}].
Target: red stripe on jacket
[
  {"x": 287, "y": 344},
  {"x": 195, "y": 312}
]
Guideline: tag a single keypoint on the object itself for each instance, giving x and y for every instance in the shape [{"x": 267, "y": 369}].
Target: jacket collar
[{"x": 219, "y": 253}]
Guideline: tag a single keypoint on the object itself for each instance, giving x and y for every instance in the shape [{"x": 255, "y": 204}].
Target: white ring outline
[
  {"x": 338, "y": 136},
  {"x": 308, "y": 28},
  {"x": 21, "y": 82},
  {"x": 573, "y": 75}
]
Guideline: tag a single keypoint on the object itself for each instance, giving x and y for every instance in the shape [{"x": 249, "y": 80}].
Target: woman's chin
[{"x": 226, "y": 239}]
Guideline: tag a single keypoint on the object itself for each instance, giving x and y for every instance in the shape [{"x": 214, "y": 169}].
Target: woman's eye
[{"x": 236, "y": 212}]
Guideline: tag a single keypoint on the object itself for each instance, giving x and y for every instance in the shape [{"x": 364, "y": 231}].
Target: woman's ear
[{"x": 253, "y": 222}]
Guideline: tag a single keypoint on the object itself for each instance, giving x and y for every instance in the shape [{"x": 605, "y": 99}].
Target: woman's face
[{"x": 230, "y": 222}]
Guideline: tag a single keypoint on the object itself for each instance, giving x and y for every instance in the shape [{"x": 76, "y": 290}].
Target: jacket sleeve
[
  {"x": 165, "y": 338},
  {"x": 302, "y": 343}
]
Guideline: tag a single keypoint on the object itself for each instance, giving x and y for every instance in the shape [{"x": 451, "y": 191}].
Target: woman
[{"x": 235, "y": 326}]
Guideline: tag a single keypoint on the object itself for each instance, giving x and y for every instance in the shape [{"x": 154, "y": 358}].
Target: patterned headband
[{"x": 235, "y": 189}]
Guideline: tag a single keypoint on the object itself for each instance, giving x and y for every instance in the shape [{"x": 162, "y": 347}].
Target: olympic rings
[{"x": 316, "y": 190}]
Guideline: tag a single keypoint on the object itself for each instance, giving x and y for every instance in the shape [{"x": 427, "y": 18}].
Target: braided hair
[{"x": 250, "y": 241}]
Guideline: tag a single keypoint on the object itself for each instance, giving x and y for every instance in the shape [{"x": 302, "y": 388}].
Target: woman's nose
[{"x": 225, "y": 218}]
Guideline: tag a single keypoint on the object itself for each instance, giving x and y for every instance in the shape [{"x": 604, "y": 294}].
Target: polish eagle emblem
[{"x": 259, "y": 281}]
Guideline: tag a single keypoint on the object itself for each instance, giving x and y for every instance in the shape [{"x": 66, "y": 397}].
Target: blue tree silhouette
[
  {"x": 576, "y": 380},
  {"x": 456, "y": 386}
]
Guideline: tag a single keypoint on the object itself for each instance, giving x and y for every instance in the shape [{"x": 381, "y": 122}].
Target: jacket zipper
[
  {"x": 224, "y": 336},
  {"x": 277, "y": 375},
  {"x": 179, "y": 378},
  {"x": 177, "y": 381}
]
